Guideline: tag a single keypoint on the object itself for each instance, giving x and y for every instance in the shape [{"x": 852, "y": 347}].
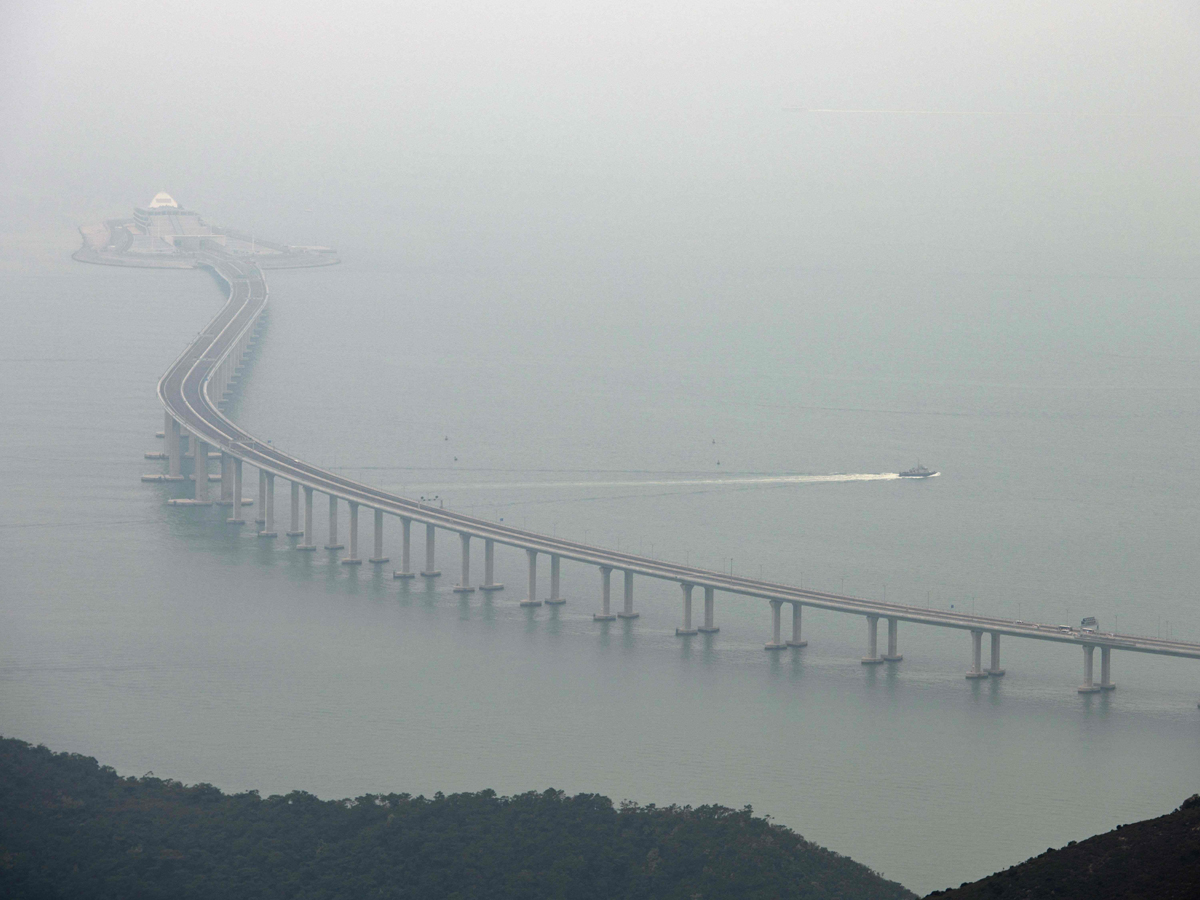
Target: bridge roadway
[{"x": 209, "y": 365}]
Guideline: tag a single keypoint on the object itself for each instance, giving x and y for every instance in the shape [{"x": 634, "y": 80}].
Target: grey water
[{"x": 163, "y": 639}]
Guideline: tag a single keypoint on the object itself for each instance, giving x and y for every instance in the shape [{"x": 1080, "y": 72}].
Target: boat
[{"x": 919, "y": 471}]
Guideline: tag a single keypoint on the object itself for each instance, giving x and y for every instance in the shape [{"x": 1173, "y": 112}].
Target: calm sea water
[{"x": 623, "y": 409}]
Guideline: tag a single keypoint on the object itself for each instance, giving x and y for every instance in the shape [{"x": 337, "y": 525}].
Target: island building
[
  {"x": 164, "y": 234},
  {"x": 164, "y": 227}
]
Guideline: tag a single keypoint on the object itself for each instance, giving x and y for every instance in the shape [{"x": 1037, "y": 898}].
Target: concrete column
[
  {"x": 353, "y": 558},
  {"x": 627, "y": 611},
  {"x": 201, "y": 471},
  {"x": 531, "y": 599},
  {"x": 555, "y": 588},
  {"x": 309, "y": 539},
  {"x": 994, "y": 669},
  {"x": 236, "y": 518},
  {"x": 1106, "y": 670},
  {"x": 430, "y": 571},
  {"x": 261, "y": 518},
  {"x": 268, "y": 529},
  {"x": 174, "y": 453},
  {"x": 872, "y": 656},
  {"x": 405, "y": 549},
  {"x": 226, "y": 479},
  {"x": 333, "y": 544},
  {"x": 295, "y": 530},
  {"x": 1088, "y": 686},
  {"x": 708, "y": 627},
  {"x": 605, "y": 614},
  {"x": 687, "y": 611},
  {"x": 489, "y": 567},
  {"x": 464, "y": 585},
  {"x": 797, "y": 640},
  {"x": 893, "y": 654},
  {"x": 377, "y": 556},
  {"x": 977, "y": 670},
  {"x": 775, "y": 643}
]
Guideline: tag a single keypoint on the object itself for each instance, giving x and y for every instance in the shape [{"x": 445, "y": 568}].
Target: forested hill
[
  {"x": 1158, "y": 859},
  {"x": 70, "y": 828}
]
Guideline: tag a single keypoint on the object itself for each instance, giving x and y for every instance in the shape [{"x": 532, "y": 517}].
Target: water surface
[{"x": 695, "y": 416}]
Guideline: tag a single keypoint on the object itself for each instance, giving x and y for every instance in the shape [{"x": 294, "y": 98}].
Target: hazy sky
[{"x": 615, "y": 133}]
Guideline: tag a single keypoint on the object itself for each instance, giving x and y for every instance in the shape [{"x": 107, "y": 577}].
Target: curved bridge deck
[{"x": 192, "y": 390}]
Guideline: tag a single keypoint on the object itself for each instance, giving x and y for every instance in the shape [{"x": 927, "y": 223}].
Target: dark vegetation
[
  {"x": 70, "y": 828},
  {"x": 1158, "y": 859}
]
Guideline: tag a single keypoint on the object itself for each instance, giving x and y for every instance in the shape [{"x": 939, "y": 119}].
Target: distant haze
[{"x": 554, "y": 136}]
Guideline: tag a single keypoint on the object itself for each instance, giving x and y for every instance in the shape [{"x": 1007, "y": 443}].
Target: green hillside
[
  {"x": 70, "y": 828},
  {"x": 1158, "y": 859}
]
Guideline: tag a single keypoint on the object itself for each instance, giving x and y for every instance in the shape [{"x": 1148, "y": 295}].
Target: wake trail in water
[{"x": 717, "y": 481}]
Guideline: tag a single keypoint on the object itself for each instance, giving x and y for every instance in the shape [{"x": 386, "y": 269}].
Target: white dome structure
[{"x": 163, "y": 199}]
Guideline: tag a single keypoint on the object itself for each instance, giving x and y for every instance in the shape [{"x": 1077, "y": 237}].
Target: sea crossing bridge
[{"x": 197, "y": 384}]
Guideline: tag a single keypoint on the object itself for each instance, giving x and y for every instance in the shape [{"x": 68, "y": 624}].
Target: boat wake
[{"x": 706, "y": 481}]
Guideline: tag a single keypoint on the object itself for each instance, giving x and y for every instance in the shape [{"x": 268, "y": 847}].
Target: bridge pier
[
  {"x": 1088, "y": 686},
  {"x": 295, "y": 530},
  {"x": 977, "y": 670},
  {"x": 226, "y": 480},
  {"x": 430, "y": 571},
  {"x": 309, "y": 539},
  {"x": 708, "y": 627},
  {"x": 268, "y": 529},
  {"x": 893, "y": 654},
  {"x": 797, "y": 640},
  {"x": 236, "y": 518},
  {"x": 687, "y": 611},
  {"x": 174, "y": 454},
  {"x": 555, "y": 598},
  {"x": 261, "y": 518},
  {"x": 405, "y": 549},
  {"x": 775, "y": 642},
  {"x": 353, "y": 559},
  {"x": 994, "y": 669},
  {"x": 872, "y": 657},
  {"x": 627, "y": 611},
  {"x": 377, "y": 556},
  {"x": 201, "y": 471},
  {"x": 334, "y": 543},
  {"x": 1106, "y": 669},
  {"x": 489, "y": 567},
  {"x": 531, "y": 599},
  {"x": 605, "y": 614},
  {"x": 464, "y": 586}
]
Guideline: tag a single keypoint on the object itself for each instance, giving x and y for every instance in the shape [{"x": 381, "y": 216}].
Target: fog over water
[{"x": 605, "y": 277}]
